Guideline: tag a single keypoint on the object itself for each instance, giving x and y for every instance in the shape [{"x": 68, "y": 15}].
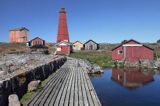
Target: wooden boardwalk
[{"x": 69, "y": 86}]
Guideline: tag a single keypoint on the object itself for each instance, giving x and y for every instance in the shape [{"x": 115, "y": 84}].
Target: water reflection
[
  {"x": 131, "y": 78},
  {"x": 110, "y": 88}
]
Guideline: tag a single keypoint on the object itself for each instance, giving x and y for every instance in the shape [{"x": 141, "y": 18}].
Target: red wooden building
[
  {"x": 132, "y": 51},
  {"x": 36, "y": 41},
  {"x": 18, "y": 35},
  {"x": 63, "y": 46}
]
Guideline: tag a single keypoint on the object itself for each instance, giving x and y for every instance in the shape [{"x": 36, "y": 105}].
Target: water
[{"x": 132, "y": 87}]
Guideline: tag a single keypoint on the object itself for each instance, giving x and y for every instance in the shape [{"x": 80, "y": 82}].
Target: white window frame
[{"x": 120, "y": 51}]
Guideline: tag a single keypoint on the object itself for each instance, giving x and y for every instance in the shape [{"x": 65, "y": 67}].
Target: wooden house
[
  {"x": 36, "y": 41},
  {"x": 18, "y": 35},
  {"x": 77, "y": 46},
  {"x": 91, "y": 45},
  {"x": 132, "y": 51},
  {"x": 63, "y": 48}
]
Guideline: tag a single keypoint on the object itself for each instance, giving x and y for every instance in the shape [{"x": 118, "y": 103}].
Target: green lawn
[{"x": 102, "y": 58}]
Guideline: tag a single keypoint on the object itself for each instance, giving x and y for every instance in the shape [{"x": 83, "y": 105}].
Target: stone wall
[{"x": 18, "y": 84}]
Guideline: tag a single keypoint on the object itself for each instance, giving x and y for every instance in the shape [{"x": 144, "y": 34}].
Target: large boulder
[
  {"x": 33, "y": 85},
  {"x": 13, "y": 100},
  {"x": 91, "y": 68}
]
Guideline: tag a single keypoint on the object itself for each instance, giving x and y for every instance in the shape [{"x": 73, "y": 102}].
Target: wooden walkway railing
[{"x": 69, "y": 86}]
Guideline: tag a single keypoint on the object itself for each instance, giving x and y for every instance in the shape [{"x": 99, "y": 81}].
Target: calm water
[{"x": 133, "y": 87}]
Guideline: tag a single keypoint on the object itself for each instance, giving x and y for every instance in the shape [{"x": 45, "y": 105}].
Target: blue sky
[{"x": 108, "y": 21}]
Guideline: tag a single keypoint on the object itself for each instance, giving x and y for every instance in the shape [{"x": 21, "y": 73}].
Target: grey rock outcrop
[{"x": 91, "y": 68}]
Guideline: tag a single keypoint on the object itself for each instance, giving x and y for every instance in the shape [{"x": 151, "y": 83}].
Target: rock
[
  {"x": 92, "y": 68},
  {"x": 96, "y": 69},
  {"x": 13, "y": 100},
  {"x": 33, "y": 85},
  {"x": 3, "y": 73}
]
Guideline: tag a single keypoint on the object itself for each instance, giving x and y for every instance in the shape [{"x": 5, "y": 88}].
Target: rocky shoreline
[
  {"x": 12, "y": 64},
  {"x": 91, "y": 68},
  {"x": 155, "y": 64},
  {"x": 16, "y": 80}
]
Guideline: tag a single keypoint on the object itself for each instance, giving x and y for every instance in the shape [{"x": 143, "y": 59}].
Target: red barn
[
  {"x": 63, "y": 48},
  {"x": 36, "y": 41},
  {"x": 132, "y": 51}
]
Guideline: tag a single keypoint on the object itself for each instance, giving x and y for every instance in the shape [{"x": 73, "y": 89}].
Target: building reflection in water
[{"x": 131, "y": 78}]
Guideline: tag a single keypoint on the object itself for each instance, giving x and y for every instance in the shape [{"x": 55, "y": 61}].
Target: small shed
[
  {"x": 132, "y": 51},
  {"x": 63, "y": 48},
  {"x": 77, "y": 46},
  {"x": 91, "y": 45},
  {"x": 36, "y": 41}
]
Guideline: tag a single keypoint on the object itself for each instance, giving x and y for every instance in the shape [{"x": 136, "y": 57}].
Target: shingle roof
[
  {"x": 91, "y": 41},
  {"x": 77, "y": 41},
  {"x": 36, "y": 38},
  {"x": 133, "y": 41}
]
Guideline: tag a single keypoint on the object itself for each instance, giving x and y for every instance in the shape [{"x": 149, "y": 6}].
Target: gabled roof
[
  {"x": 133, "y": 41},
  {"x": 35, "y": 38},
  {"x": 67, "y": 43},
  {"x": 78, "y": 41},
  {"x": 19, "y": 29},
  {"x": 91, "y": 41}
]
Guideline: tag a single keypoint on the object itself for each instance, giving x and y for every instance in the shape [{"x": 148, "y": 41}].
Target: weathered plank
[
  {"x": 51, "y": 88},
  {"x": 80, "y": 89},
  {"x": 64, "y": 94},
  {"x": 40, "y": 93},
  {"x": 68, "y": 94}
]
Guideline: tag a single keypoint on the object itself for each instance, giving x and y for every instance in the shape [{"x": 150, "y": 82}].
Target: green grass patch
[
  {"x": 102, "y": 58},
  {"x": 157, "y": 54}
]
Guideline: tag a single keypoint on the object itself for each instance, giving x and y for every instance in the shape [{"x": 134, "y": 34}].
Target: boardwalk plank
[
  {"x": 58, "y": 98},
  {"x": 76, "y": 88},
  {"x": 50, "y": 90},
  {"x": 84, "y": 94},
  {"x": 80, "y": 89},
  {"x": 87, "y": 90},
  {"x": 66, "y": 103}
]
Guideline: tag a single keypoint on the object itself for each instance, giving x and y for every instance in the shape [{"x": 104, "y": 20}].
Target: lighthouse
[
  {"x": 62, "y": 27},
  {"x": 63, "y": 46}
]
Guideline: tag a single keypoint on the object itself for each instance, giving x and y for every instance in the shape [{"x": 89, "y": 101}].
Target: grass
[
  {"x": 26, "y": 97},
  {"x": 157, "y": 56},
  {"x": 102, "y": 58}
]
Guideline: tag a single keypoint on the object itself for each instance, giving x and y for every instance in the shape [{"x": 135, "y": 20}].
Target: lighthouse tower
[
  {"x": 63, "y": 47},
  {"x": 62, "y": 27}
]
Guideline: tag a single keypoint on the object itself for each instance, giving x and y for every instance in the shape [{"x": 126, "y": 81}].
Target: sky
[{"x": 105, "y": 21}]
